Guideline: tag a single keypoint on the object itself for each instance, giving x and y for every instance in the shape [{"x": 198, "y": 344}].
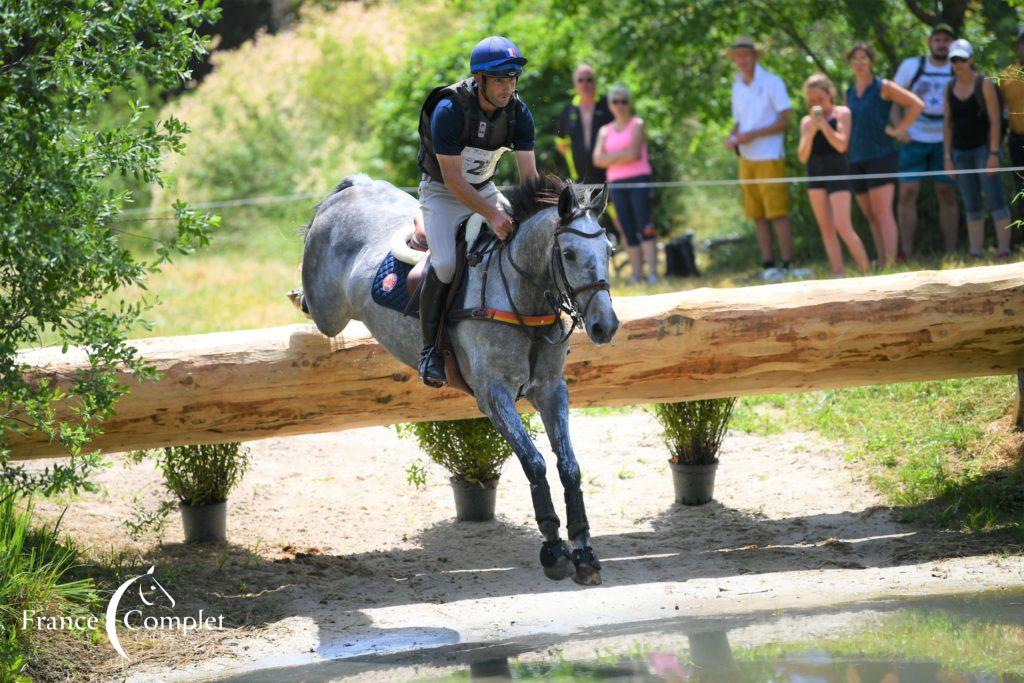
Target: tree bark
[{"x": 704, "y": 343}]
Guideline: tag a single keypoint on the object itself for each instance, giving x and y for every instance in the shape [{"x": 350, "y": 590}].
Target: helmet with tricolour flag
[{"x": 496, "y": 56}]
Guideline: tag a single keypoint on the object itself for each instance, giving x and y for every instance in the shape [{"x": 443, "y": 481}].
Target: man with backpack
[
  {"x": 927, "y": 77},
  {"x": 464, "y": 129}
]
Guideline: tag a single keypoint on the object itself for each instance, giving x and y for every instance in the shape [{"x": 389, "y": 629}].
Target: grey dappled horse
[{"x": 558, "y": 257}]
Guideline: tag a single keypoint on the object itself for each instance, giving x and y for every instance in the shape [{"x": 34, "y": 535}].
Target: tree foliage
[{"x": 60, "y": 250}]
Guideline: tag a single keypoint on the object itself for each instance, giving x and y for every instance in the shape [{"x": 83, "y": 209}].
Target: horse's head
[{"x": 580, "y": 258}]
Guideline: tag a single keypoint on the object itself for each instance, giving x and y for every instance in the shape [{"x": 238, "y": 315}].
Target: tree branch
[
  {"x": 919, "y": 12},
  {"x": 795, "y": 37},
  {"x": 882, "y": 38}
]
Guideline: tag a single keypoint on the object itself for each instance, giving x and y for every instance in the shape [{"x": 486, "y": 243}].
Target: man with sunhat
[
  {"x": 761, "y": 111},
  {"x": 464, "y": 129},
  {"x": 927, "y": 77}
]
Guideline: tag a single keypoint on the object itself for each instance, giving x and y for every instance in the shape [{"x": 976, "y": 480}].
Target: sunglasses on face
[
  {"x": 958, "y": 60},
  {"x": 585, "y": 79},
  {"x": 620, "y": 101}
]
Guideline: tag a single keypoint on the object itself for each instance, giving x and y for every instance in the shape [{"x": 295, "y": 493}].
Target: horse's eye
[{"x": 569, "y": 255}]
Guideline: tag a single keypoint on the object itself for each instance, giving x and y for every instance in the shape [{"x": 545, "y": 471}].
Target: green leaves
[{"x": 60, "y": 253}]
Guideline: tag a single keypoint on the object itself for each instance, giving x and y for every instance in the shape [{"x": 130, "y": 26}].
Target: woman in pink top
[{"x": 621, "y": 147}]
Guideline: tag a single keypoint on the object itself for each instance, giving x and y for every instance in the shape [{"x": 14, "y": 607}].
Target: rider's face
[{"x": 499, "y": 90}]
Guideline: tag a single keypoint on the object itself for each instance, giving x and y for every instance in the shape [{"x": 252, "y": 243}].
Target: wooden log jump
[{"x": 704, "y": 343}]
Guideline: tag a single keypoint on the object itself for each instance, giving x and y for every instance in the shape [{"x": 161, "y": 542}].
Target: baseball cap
[
  {"x": 943, "y": 27},
  {"x": 961, "y": 48}
]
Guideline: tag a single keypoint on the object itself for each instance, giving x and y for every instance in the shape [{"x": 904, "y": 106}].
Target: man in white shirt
[
  {"x": 927, "y": 77},
  {"x": 762, "y": 112}
]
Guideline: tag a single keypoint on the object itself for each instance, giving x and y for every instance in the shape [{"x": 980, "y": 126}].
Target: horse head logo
[{"x": 150, "y": 591}]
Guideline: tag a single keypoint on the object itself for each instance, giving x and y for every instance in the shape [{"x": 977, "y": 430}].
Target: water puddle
[{"x": 956, "y": 639}]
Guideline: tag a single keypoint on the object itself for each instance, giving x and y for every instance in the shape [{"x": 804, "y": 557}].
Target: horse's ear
[
  {"x": 599, "y": 201},
  {"x": 567, "y": 202}
]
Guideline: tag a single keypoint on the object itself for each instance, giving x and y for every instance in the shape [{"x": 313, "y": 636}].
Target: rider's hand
[{"x": 501, "y": 223}]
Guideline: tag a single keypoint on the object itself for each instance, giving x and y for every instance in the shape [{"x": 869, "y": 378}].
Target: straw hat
[{"x": 742, "y": 43}]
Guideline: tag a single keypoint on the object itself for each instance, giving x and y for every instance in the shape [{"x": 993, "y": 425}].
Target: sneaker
[
  {"x": 1002, "y": 255},
  {"x": 774, "y": 274},
  {"x": 652, "y": 279},
  {"x": 635, "y": 280}
]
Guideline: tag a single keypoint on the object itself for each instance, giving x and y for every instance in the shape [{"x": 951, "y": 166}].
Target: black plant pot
[
  {"x": 474, "y": 501},
  {"x": 204, "y": 522},
  {"x": 694, "y": 484}
]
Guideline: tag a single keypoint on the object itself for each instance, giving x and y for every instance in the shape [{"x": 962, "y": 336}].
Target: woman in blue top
[{"x": 871, "y": 145}]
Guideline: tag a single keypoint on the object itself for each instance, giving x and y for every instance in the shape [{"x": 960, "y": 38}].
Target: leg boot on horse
[{"x": 432, "y": 300}]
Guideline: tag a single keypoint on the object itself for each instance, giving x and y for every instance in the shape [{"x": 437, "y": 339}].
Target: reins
[{"x": 564, "y": 297}]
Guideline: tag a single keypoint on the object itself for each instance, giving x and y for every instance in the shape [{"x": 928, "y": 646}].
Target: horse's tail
[{"x": 346, "y": 182}]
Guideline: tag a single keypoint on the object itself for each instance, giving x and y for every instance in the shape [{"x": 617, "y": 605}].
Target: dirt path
[{"x": 332, "y": 553}]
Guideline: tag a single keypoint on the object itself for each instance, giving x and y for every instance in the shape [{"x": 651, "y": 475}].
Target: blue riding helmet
[{"x": 496, "y": 56}]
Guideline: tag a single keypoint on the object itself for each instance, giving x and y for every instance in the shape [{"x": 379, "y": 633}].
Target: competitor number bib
[{"x": 478, "y": 164}]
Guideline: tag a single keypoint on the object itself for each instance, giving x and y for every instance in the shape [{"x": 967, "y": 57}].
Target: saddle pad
[{"x": 388, "y": 288}]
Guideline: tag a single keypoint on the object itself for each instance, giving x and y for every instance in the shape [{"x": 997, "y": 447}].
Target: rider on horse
[{"x": 464, "y": 129}]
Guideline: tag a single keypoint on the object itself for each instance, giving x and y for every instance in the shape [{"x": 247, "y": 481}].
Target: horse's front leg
[
  {"x": 552, "y": 402},
  {"x": 497, "y": 402}
]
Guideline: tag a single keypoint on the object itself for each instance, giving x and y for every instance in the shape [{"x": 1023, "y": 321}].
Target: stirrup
[{"x": 430, "y": 356}]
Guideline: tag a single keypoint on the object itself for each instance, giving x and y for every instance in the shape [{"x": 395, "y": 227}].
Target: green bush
[
  {"x": 693, "y": 430},
  {"x": 34, "y": 568},
  {"x": 471, "y": 450},
  {"x": 204, "y": 474}
]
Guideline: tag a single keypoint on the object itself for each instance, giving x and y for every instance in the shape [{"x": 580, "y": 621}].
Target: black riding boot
[{"x": 432, "y": 298}]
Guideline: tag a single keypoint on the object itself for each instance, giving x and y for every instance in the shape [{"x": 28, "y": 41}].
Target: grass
[
  {"x": 37, "y": 578},
  {"x": 956, "y": 642},
  {"x": 943, "y": 452}
]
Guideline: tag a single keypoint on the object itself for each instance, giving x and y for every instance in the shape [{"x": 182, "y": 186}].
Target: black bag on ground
[{"x": 681, "y": 258}]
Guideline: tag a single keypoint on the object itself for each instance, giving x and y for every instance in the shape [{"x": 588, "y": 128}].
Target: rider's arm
[
  {"x": 527, "y": 163},
  {"x": 451, "y": 171}
]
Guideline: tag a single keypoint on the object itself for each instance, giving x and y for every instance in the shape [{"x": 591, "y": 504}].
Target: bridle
[{"x": 564, "y": 297}]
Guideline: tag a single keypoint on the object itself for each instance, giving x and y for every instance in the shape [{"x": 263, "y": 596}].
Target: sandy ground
[{"x": 332, "y": 553}]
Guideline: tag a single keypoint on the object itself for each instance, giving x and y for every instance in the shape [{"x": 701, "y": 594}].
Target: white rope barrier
[{"x": 667, "y": 184}]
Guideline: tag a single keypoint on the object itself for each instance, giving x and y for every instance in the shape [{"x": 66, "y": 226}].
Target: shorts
[
  {"x": 826, "y": 165},
  {"x": 764, "y": 200},
  {"x": 634, "y": 207},
  {"x": 916, "y": 157},
  {"x": 884, "y": 164}
]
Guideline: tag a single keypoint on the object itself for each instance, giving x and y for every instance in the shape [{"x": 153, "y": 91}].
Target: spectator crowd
[{"x": 937, "y": 120}]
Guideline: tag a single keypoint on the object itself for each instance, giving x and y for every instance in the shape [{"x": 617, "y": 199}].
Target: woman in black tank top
[
  {"x": 824, "y": 139},
  {"x": 972, "y": 139}
]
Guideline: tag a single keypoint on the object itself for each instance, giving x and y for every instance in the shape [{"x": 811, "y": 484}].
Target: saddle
[{"x": 399, "y": 279}]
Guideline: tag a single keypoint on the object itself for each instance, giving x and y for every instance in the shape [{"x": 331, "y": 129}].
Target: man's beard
[{"x": 940, "y": 58}]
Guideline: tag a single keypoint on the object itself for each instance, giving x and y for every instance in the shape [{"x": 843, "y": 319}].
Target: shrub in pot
[
  {"x": 473, "y": 452},
  {"x": 693, "y": 432},
  {"x": 201, "y": 477}
]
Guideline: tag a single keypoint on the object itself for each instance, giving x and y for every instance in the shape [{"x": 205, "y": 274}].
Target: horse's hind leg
[
  {"x": 552, "y": 402},
  {"x": 497, "y": 403}
]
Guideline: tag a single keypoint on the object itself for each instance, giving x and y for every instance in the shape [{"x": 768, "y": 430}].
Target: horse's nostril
[{"x": 597, "y": 330}]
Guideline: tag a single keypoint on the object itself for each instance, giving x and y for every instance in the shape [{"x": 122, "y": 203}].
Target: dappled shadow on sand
[{"x": 679, "y": 544}]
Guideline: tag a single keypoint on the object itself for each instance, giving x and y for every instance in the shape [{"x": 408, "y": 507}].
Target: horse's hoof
[
  {"x": 555, "y": 558},
  {"x": 588, "y": 569}
]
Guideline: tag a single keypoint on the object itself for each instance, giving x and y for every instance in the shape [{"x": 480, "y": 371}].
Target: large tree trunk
[{"x": 704, "y": 343}]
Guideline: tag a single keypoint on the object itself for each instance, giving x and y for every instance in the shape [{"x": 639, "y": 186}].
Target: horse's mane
[{"x": 532, "y": 196}]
